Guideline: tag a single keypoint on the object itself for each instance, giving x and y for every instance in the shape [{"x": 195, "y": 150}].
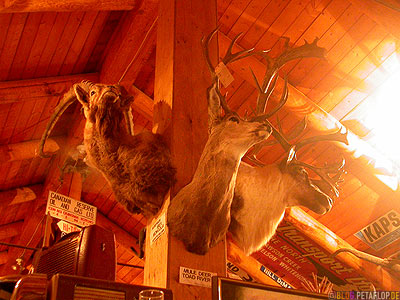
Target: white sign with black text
[
  {"x": 195, "y": 277},
  {"x": 70, "y": 210}
]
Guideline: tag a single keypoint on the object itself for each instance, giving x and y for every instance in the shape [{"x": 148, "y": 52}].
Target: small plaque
[
  {"x": 223, "y": 74},
  {"x": 195, "y": 277}
]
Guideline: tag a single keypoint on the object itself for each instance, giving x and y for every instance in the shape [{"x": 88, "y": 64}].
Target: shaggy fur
[
  {"x": 137, "y": 167},
  {"x": 261, "y": 197}
]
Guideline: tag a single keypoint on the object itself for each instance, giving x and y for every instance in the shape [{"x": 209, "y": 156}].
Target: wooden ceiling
[{"x": 44, "y": 50}]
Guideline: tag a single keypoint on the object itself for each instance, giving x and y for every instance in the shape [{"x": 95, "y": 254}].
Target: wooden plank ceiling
[{"x": 43, "y": 52}]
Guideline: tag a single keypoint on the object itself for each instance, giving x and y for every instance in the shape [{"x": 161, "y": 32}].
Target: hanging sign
[
  {"x": 66, "y": 227},
  {"x": 195, "y": 277},
  {"x": 381, "y": 232},
  {"x": 70, "y": 210}
]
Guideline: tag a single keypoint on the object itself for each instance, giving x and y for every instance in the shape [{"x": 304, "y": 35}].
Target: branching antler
[{"x": 228, "y": 58}]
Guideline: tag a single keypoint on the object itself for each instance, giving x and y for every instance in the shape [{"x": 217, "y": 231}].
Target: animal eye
[
  {"x": 92, "y": 93},
  {"x": 234, "y": 119}
]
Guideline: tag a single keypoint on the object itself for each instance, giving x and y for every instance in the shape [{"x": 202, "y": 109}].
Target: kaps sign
[{"x": 382, "y": 232}]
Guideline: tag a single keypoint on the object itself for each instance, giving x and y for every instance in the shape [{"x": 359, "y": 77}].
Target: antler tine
[
  {"x": 205, "y": 42},
  {"x": 324, "y": 172},
  {"x": 228, "y": 58},
  {"x": 231, "y": 57}
]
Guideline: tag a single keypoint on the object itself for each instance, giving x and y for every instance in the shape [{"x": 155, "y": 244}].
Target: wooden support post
[{"x": 180, "y": 114}]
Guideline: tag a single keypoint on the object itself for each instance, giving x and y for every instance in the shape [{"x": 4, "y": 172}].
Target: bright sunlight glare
[{"x": 384, "y": 117}]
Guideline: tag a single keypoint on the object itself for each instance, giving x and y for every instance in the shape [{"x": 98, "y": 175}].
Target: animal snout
[{"x": 110, "y": 96}]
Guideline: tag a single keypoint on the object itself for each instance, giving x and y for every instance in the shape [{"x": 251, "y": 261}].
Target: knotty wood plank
[
  {"x": 11, "y": 42},
  {"x": 54, "y": 36},
  {"x": 346, "y": 66},
  {"x": 221, "y": 7},
  {"x": 127, "y": 43},
  {"x": 280, "y": 25},
  {"x": 41, "y": 38},
  {"x": 90, "y": 42},
  {"x": 338, "y": 52},
  {"x": 24, "y": 46},
  {"x": 328, "y": 39},
  {"x": 232, "y": 14},
  {"x": 5, "y": 21},
  {"x": 10, "y": 121},
  {"x": 248, "y": 17},
  {"x": 64, "y": 44},
  {"x": 318, "y": 28},
  {"x": 24, "y": 117},
  {"x": 263, "y": 23},
  {"x": 78, "y": 42}
]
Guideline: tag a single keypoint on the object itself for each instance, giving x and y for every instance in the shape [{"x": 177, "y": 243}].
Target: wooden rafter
[{"x": 18, "y": 6}]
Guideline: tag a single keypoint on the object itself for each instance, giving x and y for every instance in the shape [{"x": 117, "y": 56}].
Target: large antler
[
  {"x": 228, "y": 58},
  {"x": 393, "y": 264}
]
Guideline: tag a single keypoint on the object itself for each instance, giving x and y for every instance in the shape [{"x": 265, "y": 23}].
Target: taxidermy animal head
[
  {"x": 263, "y": 192},
  {"x": 138, "y": 167},
  {"x": 199, "y": 215}
]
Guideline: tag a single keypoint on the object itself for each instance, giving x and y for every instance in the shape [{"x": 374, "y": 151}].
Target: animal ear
[
  {"x": 126, "y": 98},
  {"x": 214, "y": 106},
  {"x": 82, "y": 95}
]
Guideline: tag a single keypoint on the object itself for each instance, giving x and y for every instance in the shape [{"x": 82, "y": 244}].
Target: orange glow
[{"x": 383, "y": 116}]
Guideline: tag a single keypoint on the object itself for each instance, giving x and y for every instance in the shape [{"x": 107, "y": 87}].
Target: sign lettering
[
  {"x": 195, "y": 277},
  {"x": 68, "y": 209},
  {"x": 381, "y": 232}
]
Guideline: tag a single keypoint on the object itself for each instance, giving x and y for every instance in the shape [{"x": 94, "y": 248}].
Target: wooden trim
[
  {"x": 18, "y": 6},
  {"x": 28, "y": 150},
  {"x": 27, "y": 90}
]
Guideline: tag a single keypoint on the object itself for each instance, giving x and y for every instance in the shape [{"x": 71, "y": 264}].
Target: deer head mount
[
  {"x": 138, "y": 167},
  {"x": 263, "y": 192},
  {"x": 199, "y": 215}
]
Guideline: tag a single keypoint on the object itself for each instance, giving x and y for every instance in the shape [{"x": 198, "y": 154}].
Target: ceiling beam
[
  {"x": 29, "y": 149},
  {"x": 131, "y": 47},
  {"x": 329, "y": 241},
  {"x": 10, "y": 230},
  {"x": 299, "y": 105},
  {"x": 31, "y": 89},
  {"x": 18, "y": 196},
  {"x": 18, "y": 6}
]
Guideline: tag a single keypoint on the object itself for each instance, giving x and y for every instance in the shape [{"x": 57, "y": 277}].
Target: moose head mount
[{"x": 137, "y": 167}]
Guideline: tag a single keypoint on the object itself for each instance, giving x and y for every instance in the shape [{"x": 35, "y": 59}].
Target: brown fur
[
  {"x": 138, "y": 167},
  {"x": 199, "y": 215},
  {"x": 261, "y": 197}
]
